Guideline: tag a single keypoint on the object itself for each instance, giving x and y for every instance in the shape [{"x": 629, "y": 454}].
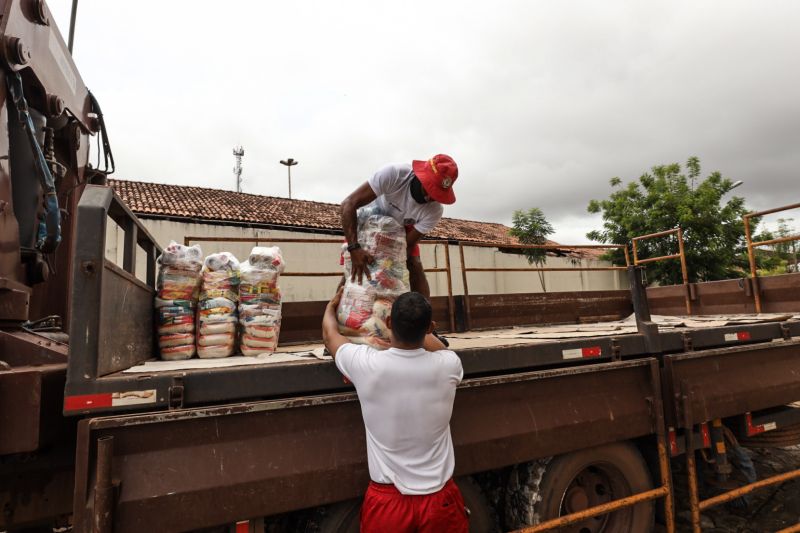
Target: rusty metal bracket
[
  {"x": 615, "y": 349},
  {"x": 686, "y": 337},
  {"x": 786, "y": 331},
  {"x": 176, "y": 393}
]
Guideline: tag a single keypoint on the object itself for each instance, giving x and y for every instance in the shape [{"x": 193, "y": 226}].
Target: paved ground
[{"x": 770, "y": 509}]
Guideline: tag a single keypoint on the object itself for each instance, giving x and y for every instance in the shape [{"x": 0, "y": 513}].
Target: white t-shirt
[
  {"x": 392, "y": 186},
  {"x": 406, "y": 400}
]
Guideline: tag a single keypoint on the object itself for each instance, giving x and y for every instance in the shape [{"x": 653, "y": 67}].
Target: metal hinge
[
  {"x": 176, "y": 393},
  {"x": 687, "y": 342},
  {"x": 615, "y": 350}
]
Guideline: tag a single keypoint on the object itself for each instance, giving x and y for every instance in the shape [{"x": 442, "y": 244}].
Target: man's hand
[{"x": 360, "y": 260}]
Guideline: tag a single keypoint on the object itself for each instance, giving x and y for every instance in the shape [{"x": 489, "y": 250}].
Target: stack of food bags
[
  {"x": 178, "y": 280},
  {"x": 260, "y": 301},
  {"x": 219, "y": 293},
  {"x": 364, "y": 307}
]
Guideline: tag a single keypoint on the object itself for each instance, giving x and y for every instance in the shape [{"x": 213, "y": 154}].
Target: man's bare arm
[
  {"x": 331, "y": 337},
  {"x": 359, "y": 258},
  {"x": 416, "y": 272}
]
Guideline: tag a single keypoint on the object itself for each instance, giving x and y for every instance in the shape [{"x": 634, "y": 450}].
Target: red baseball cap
[{"x": 437, "y": 176}]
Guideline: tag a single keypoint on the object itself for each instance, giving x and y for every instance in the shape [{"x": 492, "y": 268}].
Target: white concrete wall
[{"x": 324, "y": 257}]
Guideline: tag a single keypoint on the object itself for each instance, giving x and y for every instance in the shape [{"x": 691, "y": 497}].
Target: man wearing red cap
[{"x": 411, "y": 194}]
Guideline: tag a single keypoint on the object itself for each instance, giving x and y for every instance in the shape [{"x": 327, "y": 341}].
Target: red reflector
[
  {"x": 673, "y": 442},
  {"x": 592, "y": 351},
  {"x": 243, "y": 527},
  {"x": 706, "y": 435},
  {"x": 743, "y": 335},
  {"x": 751, "y": 429},
  {"x": 87, "y": 401}
]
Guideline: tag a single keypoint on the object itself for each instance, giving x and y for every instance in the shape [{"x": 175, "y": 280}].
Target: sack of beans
[
  {"x": 176, "y": 298},
  {"x": 260, "y": 301},
  {"x": 219, "y": 292}
]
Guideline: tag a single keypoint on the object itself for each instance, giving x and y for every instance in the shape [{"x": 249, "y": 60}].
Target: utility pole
[
  {"x": 289, "y": 164},
  {"x": 238, "y": 153}
]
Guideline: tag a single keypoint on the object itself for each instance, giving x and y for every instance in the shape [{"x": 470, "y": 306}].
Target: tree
[
  {"x": 664, "y": 199},
  {"x": 781, "y": 257},
  {"x": 531, "y": 227}
]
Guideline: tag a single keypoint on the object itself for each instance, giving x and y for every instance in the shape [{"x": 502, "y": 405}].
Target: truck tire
[
  {"x": 481, "y": 518},
  {"x": 342, "y": 517},
  {"x": 552, "y": 487}
]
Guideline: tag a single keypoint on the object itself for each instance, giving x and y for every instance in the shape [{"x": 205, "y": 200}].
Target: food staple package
[
  {"x": 364, "y": 308},
  {"x": 260, "y": 301},
  {"x": 219, "y": 292},
  {"x": 177, "y": 284}
]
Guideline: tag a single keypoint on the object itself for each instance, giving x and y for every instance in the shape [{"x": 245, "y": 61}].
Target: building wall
[{"x": 324, "y": 257}]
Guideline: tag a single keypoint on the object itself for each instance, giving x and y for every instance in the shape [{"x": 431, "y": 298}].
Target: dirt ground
[{"x": 767, "y": 510}]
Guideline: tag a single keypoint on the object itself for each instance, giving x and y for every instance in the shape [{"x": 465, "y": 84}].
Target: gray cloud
[{"x": 540, "y": 103}]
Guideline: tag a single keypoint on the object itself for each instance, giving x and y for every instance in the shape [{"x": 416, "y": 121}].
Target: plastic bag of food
[
  {"x": 179, "y": 272},
  {"x": 219, "y": 292},
  {"x": 220, "y": 277},
  {"x": 177, "y": 286},
  {"x": 260, "y": 301},
  {"x": 364, "y": 307}
]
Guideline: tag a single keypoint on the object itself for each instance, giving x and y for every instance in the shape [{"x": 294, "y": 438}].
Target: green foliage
[
  {"x": 778, "y": 258},
  {"x": 665, "y": 199},
  {"x": 531, "y": 227}
]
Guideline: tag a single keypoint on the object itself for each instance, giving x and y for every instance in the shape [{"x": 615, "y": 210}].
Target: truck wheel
[
  {"x": 548, "y": 488},
  {"x": 343, "y": 517},
  {"x": 481, "y": 519}
]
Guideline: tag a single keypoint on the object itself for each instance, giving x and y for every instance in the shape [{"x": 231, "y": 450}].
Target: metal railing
[
  {"x": 269, "y": 240},
  {"x": 465, "y": 269},
  {"x": 751, "y": 245},
  {"x": 680, "y": 255}
]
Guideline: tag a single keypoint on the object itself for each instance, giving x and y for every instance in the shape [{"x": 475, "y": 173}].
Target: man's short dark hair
[{"x": 411, "y": 316}]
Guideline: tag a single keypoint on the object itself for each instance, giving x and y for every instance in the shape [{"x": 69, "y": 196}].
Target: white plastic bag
[
  {"x": 364, "y": 307},
  {"x": 219, "y": 292},
  {"x": 260, "y": 301},
  {"x": 176, "y": 298}
]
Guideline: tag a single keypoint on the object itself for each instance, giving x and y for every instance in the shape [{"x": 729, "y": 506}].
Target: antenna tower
[{"x": 238, "y": 153}]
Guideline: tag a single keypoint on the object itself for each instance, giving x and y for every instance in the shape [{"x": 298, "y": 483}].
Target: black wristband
[{"x": 354, "y": 246}]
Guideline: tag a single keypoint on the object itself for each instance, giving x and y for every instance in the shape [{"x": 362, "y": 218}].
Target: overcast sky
[{"x": 540, "y": 103}]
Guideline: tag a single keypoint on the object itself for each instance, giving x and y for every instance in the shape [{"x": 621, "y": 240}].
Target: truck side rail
[
  {"x": 680, "y": 255},
  {"x": 753, "y": 244},
  {"x": 201, "y": 467},
  {"x": 106, "y": 296}
]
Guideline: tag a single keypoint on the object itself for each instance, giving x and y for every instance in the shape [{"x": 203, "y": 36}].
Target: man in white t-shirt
[
  {"x": 406, "y": 395},
  {"x": 412, "y": 194}
]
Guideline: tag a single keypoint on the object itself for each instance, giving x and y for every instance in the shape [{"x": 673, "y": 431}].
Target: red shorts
[{"x": 386, "y": 509}]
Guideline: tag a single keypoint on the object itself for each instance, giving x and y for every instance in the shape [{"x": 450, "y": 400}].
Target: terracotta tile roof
[{"x": 200, "y": 203}]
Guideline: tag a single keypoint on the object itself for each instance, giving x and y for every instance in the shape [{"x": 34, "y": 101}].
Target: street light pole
[{"x": 289, "y": 164}]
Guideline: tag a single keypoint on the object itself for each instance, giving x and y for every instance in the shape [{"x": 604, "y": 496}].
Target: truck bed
[{"x": 303, "y": 369}]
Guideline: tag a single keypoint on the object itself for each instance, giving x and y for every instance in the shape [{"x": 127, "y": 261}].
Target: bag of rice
[
  {"x": 219, "y": 292},
  {"x": 176, "y": 297},
  {"x": 260, "y": 301}
]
